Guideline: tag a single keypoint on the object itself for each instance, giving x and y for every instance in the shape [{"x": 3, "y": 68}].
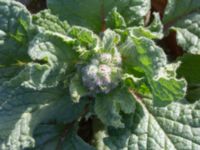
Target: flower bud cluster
[{"x": 103, "y": 72}]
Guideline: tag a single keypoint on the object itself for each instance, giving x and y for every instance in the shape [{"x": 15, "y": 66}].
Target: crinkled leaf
[
  {"x": 153, "y": 31},
  {"x": 84, "y": 36},
  {"x": 165, "y": 86},
  {"x": 15, "y": 20},
  {"x": 142, "y": 52},
  {"x": 16, "y": 109},
  {"x": 48, "y": 134},
  {"x": 86, "y": 41},
  {"x": 76, "y": 88},
  {"x": 156, "y": 26},
  {"x": 22, "y": 109},
  {"x": 137, "y": 85},
  {"x": 110, "y": 40},
  {"x": 168, "y": 89},
  {"x": 172, "y": 127},
  {"x": 188, "y": 33},
  {"x": 152, "y": 60},
  {"x": 53, "y": 57},
  {"x": 33, "y": 102},
  {"x": 91, "y": 13},
  {"x": 47, "y": 21},
  {"x": 108, "y": 107},
  {"x": 115, "y": 20},
  {"x": 184, "y": 16}
]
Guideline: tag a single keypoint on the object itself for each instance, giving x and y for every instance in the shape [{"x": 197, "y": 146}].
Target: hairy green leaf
[
  {"x": 47, "y": 21},
  {"x": 23, "y": 109},
  {"x": 171, "y": 127},
  {"x": 53, "y": 55},
  {"x": 58, "y": 131},
  {"x": 18, "y": 105},
  {"x": 14, "y": 23},
  {"x": 110, "y": 40},
  {"x": 76, "y": 88},
  {"x": 115, "y": 20},
  {"x": 15, "y": 20},
  {"x": 101, "y": 77},
  {"x": 108, "y": 107},
  {"x": 176, "y": 9},
  {"x": 188, "y": 33},
  {"x": 183, "y": 17},
  {"x": 84, "y": 36},
  {"x": 143, "y": 53}
]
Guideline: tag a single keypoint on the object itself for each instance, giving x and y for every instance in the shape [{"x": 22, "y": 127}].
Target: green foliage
[
  {"x": 184, "y": 18},
  {"x": 15, "y": 21},
  {"x": 97, "y": 61},
  {"x": 173, "y": 127},
  {"x": 90, "y": 13},
  {"x": 47, "y": 21}
]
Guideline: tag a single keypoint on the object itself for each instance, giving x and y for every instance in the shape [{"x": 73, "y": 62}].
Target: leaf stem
[{"x": 103, "y": 23}]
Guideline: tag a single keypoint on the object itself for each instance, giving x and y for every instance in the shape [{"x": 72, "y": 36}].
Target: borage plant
[{"x": 89, "y": 74}]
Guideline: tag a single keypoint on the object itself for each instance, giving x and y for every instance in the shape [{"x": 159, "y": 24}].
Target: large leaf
[
  {"x": 53, "y": 56},
  {"x": 91, "y": 13},
  {"x": 142, "y": 52},
  {"x": 172, "y": 127},
  {"x": 151, "y": 59},
  {"x": 176, "y": 9},
  {"x": 23, "y": 109},
  {"x": 17, "y": 106}
]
